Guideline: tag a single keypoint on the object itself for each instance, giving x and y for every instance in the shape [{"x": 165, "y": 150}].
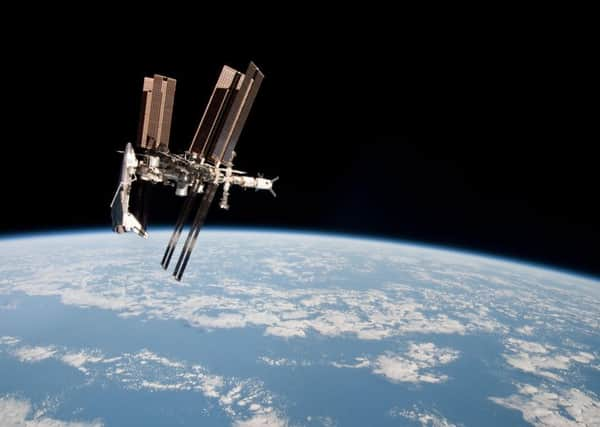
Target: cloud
[
  {"x": 431, "y": 355},
  {"x": 241, "y": 399},
  {"x": 288, "y": 329},
  {"x": 542, "y": 406},
  {"x": 361, "y": 362},
  {"x": 153, "y": 385},
  {"x": 146, "y": 355},
  {"x": 525, "y": 330},
  {"x": 262, "y": 420},
  {"x": 414, "y": 365},
  {"x": 399, "y": 369},
  {"x": 542, "y": 360},
  {"x": 8, "y": 340},
  {"x": 294, "y": 314},
  {"x": 446, "y": 304},
  {"x": 210, "y": 384},
  {"x": 307, "y": 285},
  {"x": 582, "y": 357},
  {"x": 222, "y": 321},
  {"x": 18, "y": 413},
  {"x": 80, "y": 359},
  {"x": 528, "y": 346},
  {"x": 34, "y": 354},
  {"x": 373, "y": 334},
  {"x": 278, "y": 362},
  {"x": 426, "y": 419},
  {"x": 538, "y": 365}
]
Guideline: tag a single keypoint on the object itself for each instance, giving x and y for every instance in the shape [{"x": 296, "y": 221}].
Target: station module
[{"x": 195, "y": 174}]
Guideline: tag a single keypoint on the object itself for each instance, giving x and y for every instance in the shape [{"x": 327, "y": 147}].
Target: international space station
[{"x": 197, "y": 173}]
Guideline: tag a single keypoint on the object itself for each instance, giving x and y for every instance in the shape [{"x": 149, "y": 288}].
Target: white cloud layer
[
  {"x": 425, "y": 418},
  {"x": 80, "y": 359},
  {"x": 262, "y": 420},
  {"x": 282, "y": 361},
  {"x": 275, "y": 303},
  {"x": 526, "y": 330},
  {"x": 294, "y": 287},
  {"x": 414, "y": 366},
  {"x": 34, "y": 354},
  {"x": 244, "y": 400},
  {"x": 360, "y": 362},
  {"x": 8, "y": 340},
  {"x": 18, "y": 413},
  {"x": 543, "y": 360},
  {"x": 544, "y": 407}
]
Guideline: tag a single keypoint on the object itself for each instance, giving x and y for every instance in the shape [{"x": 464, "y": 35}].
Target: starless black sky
[{"x": 477, "y": 140}]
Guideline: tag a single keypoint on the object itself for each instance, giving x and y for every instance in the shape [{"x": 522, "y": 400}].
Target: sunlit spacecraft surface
[{"x": 197, "y": 173}]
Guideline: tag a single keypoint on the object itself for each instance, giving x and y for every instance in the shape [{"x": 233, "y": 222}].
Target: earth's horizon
[
  {"x": 275, "y": 327},
  {"x": 166, "y": 228}
]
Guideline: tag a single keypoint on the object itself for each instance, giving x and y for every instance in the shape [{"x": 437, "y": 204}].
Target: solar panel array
[
  {"x": 158, "y": 95},
  {"x": 226, "y": 114}
]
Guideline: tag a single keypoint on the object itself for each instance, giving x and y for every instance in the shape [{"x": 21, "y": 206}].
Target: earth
[{"x": 290, "y": 329}]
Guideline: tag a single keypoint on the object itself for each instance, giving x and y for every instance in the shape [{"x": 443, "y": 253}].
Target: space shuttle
[{"x": 122, "y": 219}]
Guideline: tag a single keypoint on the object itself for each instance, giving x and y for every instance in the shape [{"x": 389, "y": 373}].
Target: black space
[{"x": 474, "y": 139}]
